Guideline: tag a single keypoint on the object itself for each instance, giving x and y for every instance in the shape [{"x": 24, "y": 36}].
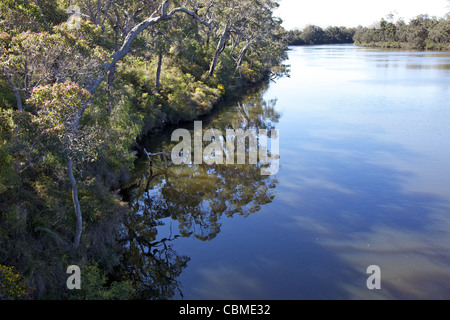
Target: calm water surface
[{"x": 364, "y": 180}]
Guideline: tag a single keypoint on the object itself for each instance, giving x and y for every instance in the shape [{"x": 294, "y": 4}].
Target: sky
[{"x": 351, "y": 13}]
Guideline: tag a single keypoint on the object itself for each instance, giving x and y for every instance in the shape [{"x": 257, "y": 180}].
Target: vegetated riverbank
[
  {"x": 313, "y": 35},
  {"x": 73, "y": 102},
  {"x": 421, "y": 33},
  {"x": 176, "y": 203}
]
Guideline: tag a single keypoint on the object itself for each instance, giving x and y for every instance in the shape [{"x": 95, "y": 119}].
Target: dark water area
[{"x": 363, "y": 179}]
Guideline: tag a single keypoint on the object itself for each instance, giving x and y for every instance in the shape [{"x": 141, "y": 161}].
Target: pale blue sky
[{"x": 351, "y": 13}]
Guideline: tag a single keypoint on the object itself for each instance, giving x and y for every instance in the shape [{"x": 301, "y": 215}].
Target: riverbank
[
  {"x": 406, "y": 46},
  {"x": 48, "y": 245},
  {"x": 421, "y": 33},
  {"x": 75, "y": 98},
  {"x": 353, "y": 174}
]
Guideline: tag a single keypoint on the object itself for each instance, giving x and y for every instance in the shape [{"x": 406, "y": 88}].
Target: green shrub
[
  {"x": 94, "y": 286},
  {"x": 12, "y": 285}
]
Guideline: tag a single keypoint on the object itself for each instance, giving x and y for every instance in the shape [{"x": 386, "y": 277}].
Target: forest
[
  {"x": 421, "y": 33},
  {"x": 312, "y": 35},
  {"x": 80, "y": 84}
]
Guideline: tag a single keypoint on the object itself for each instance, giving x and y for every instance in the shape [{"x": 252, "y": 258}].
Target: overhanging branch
[{"x": 157, "y": 16}]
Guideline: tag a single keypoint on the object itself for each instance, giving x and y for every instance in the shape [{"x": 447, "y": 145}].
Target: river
[{"x": 363, "y": 180}]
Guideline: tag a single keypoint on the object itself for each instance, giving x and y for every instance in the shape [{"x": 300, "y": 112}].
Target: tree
[
  {"x": 16, "y": 17},
  {"x": 258, "y": 25},
  {"x": 293, "y": 37},
  {"x": 32, "y": 59},
  {"x": 46, "y": 64},
  {"x": 21, "y": 15},
  {"x": 339, "y": 35},
  {"x": 228, "y": 14},
  {"x": 401, "y": 31},
  {"x": 161, "y": 14},
  {"x": 422, "y": 32},
  {"x": 440, "y": 32},
  {"x": 313, "y": 35},
  {"x": 418, "y": 31},
  {"x": 57, "y": 106}
]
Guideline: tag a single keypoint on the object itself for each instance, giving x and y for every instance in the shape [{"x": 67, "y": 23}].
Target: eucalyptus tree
[
  {"x": 313, "y": 35},
  {"x": 17, "y": 16},
  {"x": 418, "y": 30},
  {"x": 440, "y": 33},
  {"x": 116, "y": 18},
  {"x": 92, "y": 83},
  {"x": 246, "y": 22},
  {"x": 41, "y": 59},
  {"x": 158, "y": 16},
  {"x": 35, "y": 59},
  {"x": 257, "y": 25},
  {"x": 226, "y": 13},
  {"x": 161, "y": 14},
  {"x": 55, "y": 106}
]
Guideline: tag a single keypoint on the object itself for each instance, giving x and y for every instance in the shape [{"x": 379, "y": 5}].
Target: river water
[{"x": 363, "y": 180}]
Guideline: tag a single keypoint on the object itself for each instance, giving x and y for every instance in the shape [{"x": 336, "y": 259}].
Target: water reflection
[
  {"x": 363, "y": 180},
  {"x": 368, "y": 179},
  {"x": 392, "y": 64},
  {"x": 195, "y": 196}
]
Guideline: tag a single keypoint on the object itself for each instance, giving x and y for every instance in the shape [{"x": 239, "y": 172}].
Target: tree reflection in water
[{"x": 196, "y": 196}]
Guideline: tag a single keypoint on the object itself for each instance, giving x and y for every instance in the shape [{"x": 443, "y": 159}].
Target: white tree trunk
[
  {"x": 242, "y": 55},
  {"x": 16, "y": 92},
  {"x": 76, "y": 203},
  {"x": 220, "y": 47},
  {"x": 159, "y": 15}
]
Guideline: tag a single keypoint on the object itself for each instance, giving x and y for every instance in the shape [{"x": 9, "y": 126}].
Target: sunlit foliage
[{"x": 73, "y": 103}]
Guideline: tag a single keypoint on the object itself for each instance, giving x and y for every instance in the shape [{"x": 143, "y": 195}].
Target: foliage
[
  {"x": 87, "y": 95},
  {"x": 312, "y": 34},
  {"x": 32, "y": 59},
  {"x": 57, "y": 106},
  {"x": 20, "y": 15},
  {"x": 95, "y": 286},
  {"x": 12, "y": 285},
  {"x": 422, "y": 32}
]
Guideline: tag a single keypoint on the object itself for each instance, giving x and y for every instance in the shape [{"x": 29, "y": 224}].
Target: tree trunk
[
  {"x": 157, "y": 16},
  {"x": 158, "y": 71},
  {"x": 76, "y": 203},
  {"x": 242, "y": 55},
  {"x": 16, "y": 92},
  {"x": 220, "y": 47},
  {"x": 111, "y": 76}
]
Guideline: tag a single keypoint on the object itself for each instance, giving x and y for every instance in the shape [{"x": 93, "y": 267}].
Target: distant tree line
[
  {"x": 422, "y": 33},
  {"x": 312, "y": 34}
]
